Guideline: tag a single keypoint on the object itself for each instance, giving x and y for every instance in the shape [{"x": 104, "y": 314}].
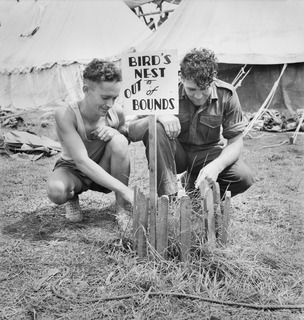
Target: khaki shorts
[{"x": 87, "y": 183}]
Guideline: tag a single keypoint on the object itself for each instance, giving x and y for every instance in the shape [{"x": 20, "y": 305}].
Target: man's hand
[
  {"x": 128, "y": 195},
  {"x": 104, "y": 133},
  {"x": 210, "y": 172},
  {"x": 171, "y": 125}
]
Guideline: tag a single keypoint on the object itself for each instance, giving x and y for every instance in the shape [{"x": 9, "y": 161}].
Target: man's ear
[{"x": 85, "y": 88}]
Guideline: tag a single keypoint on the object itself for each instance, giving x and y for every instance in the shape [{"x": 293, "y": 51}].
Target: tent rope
[
  {"x": 240, "y": 73},
  {"x": 266, "y": 103},
  {"x": 237, "y": 81},
  {"x": 182, "y": 295}
]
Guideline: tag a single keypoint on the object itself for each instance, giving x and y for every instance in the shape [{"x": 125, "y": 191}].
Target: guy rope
[{"x": 266, "y": 103}]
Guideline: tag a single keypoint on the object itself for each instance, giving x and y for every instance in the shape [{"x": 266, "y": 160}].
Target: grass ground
[{"x": 52, "y": 269}]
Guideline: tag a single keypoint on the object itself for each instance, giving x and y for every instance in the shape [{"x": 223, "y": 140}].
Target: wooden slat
[
  {"x": 143, "y": 228},
  {"x": 162, "y": 225},
  {"x": 153, "y": 178},
  {"x": 140, "y": 223},
  {"x": 203, "y": 222},
  {"x": 209, "y": 209},
  {"x": 226, "y": 210},
  {"x": 217, "y": 207},
  {"x": 185, "y": 227},
  {"x": 216, "y": 192},
  {"x": 204, "y": 186},
  {"x": 135, "y": 218}
]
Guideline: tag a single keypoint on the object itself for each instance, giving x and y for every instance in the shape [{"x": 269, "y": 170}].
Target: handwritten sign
[{"x": 150, "y": 82}]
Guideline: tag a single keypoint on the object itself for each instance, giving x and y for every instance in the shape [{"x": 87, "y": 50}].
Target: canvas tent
[
  {"x": 135, "y": 3},
  {"x": 262, "y": 34},
  {"x": 44, "y": 44}
]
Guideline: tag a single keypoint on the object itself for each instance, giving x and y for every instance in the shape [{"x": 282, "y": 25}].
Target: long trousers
[{"x": 173, "y": 159}]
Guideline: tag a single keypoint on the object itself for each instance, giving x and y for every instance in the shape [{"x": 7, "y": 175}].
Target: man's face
[
  {"x": 195, "y": 94},
  {"x": 101, "y": 96}
]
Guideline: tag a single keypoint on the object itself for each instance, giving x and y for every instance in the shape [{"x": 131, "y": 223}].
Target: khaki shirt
[{"x": 202, "y": 126}]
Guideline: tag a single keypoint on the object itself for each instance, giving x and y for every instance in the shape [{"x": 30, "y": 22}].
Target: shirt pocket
[
  {"x": 184, "y": 119},
  {"x": 210, "y": 128}
]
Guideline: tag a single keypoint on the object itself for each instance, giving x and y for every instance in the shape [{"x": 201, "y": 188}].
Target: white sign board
[{"x": 150, "y": 82}]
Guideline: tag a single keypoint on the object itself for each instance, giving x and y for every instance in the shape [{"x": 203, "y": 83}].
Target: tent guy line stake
[{"x": 293, "y": 138}]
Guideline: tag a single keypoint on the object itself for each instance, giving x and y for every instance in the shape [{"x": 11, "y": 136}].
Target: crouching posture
[
  {"x": 191, "y": 141},
  {"x": 94, "y": 150}
]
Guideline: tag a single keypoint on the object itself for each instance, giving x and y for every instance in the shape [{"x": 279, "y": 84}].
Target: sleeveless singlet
[{"x": 95, "y": 147}]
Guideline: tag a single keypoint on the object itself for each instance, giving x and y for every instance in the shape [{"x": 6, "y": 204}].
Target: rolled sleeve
[{"x": 233, "y": 122}]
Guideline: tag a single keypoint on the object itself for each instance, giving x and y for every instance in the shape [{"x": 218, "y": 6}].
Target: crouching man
[
  {"x": 94, "y": 150},
  {"x": 191, "y": 141}
]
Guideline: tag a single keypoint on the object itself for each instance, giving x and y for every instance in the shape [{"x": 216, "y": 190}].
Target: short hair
[
  {"x": 200, "y": 66},
  {"x": 102, "y": 70}
]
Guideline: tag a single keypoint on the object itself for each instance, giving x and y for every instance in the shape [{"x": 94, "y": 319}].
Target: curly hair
[
  {"x": 200, "y": 66},
  {"x": 102, "y": 70}
]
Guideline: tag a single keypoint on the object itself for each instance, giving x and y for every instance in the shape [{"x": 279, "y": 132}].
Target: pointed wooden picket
[
  {"x": 226, "y": 211},
  {"x": 162, "y": 225},
  {"x": 140, "y": 223},
  {"x": 217, "y": 207},
  {"x": 214, "y": 221},
  {"x": 185, "y": 227},
  {"x": 209, "y": 209}
]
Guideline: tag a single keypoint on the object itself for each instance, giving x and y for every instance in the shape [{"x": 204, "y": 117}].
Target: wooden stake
[
  {"x": 209, "y": 208},
  {"x": 143, "y": 228},
  {"x": 226, "y": 210},
  {"x": 204, "y": 186},
  {"x": 153, "y": 178},
  {"x": 217, "y": 207},
  {"x": 140, "y": 223},
  {"x": 162, "y": 225},
  {"x": 293, "y": 139},
  {"x": 185, "y": 227},
  {"x": 135, "y": 218}
]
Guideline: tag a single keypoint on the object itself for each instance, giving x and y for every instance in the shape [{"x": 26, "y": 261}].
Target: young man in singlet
[{"x": 94, "y": 149}]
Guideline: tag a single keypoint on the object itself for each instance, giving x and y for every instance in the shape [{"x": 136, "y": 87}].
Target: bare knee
[
  {"x": 248, "y": 180},
  {"x": 57, "y": 192},
  {"x": 118, "y": 145}
]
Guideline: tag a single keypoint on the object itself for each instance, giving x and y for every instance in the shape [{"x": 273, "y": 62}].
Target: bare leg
[
  {"x": 116, "y": 161},
  {"x": 62, "y": 186}
]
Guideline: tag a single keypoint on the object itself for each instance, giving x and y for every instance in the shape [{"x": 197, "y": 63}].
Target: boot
[{"x": 72, "y": 210}]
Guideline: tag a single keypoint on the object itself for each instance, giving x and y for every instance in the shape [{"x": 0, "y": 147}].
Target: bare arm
[
  {"x": 66, "y": 128},
  {"x": 138, "y": 127},
  {"x": 228, "y": 156}
]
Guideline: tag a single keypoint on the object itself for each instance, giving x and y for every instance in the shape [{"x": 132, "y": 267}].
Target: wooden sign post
[
  {"x": 153, "y": 178},
  {"x": 150, "y": 88}
]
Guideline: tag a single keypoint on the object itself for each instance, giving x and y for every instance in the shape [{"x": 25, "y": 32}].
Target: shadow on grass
[{"x": 46, "y": 223}]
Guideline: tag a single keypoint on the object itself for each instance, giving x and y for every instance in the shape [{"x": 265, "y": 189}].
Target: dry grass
[{"x": 51, "y": 269}]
